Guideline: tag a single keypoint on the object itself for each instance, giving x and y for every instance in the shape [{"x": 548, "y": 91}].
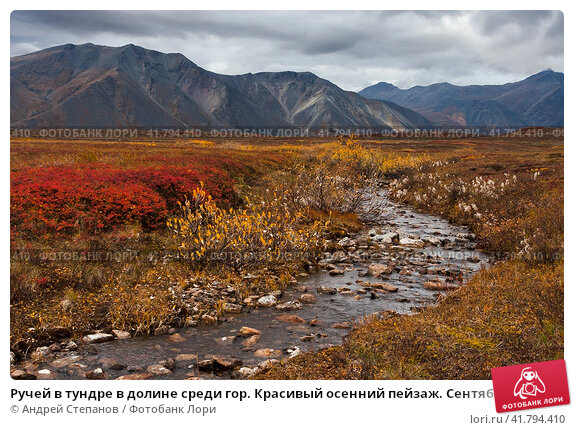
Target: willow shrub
[{"x": 261, "y": 234}]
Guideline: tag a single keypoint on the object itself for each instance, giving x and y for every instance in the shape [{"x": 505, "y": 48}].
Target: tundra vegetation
[{"x": 252, "y": 214}]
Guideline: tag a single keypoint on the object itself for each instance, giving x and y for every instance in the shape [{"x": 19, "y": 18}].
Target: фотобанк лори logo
[{"x": 529, "y": 386}]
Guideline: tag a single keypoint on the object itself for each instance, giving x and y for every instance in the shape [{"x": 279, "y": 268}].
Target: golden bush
[{"x": 261, "y": 234}]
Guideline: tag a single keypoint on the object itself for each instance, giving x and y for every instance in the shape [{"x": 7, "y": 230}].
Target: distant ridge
[{"x": 535, "y": 101}]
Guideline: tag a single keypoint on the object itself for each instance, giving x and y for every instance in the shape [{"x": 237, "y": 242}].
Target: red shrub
[
  {"x": 173, "y": 182},
  {"x": 48, "y": 201}
]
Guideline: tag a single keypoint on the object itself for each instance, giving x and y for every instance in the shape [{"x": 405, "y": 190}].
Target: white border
[{"x": 286, "y": 414}]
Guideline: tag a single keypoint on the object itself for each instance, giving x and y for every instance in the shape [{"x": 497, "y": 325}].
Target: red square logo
[{"x": 529, "y": 386}]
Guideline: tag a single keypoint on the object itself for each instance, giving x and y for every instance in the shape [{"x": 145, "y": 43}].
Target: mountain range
[
  {"x": 99, "y": 86},
  {"x": 535, "y": 101}
]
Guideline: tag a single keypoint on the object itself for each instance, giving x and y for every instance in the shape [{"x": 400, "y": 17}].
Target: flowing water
[{"x": 448, "y": 254}]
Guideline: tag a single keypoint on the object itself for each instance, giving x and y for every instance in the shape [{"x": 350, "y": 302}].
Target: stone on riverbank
[
  {"x": 344, "y": 325},
  {"x": 289, "y": 306},
  {"x": 186, "y": 358},
  {"x": 226, "y": 363},
  {"x": 307, "y": 299},
  {"x": 232, "y": 308},
  {"x": 251, "y": 340},
  {"x": 385, "y": 287},
  {"x": 97, "y": 373},
  {"x": 121, "y": 334},
  {"x": 158, "y": 370},
  {"x": 111, "y": 363},
  {"x": 415, "y": 243},
  {"x": 387, "y": 238},
  {"x": 248, "y": 331},
  {"x": 267, "y": 352},
  {"x": 376, "y": 269},
  {"x": 245, "y": 372},
  {"x": 21, "y": 375},
  {"x": 135, "y": 377},
  {"x": 175, "y": 338},
  {"x": 337, "y": 272},
  {"x": 267, "y": 301},
  {"x": 290, "y": 319},
  {"x": 326, "y": 290},
  {"x": 98, "y": 338},
  {"x": 267, "y": 364},
  {"x": 161, "y": 330},
  {"x": 438, "y": 286}
]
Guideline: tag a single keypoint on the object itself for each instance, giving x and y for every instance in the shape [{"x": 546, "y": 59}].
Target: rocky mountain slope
[{"x": 90, "y": 85}]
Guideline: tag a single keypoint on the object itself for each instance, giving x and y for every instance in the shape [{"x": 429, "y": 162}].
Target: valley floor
[{"x": 182, "y": 203}]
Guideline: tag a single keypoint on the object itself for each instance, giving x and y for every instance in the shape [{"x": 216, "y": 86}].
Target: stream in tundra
[{"x": 402, "y": 260}]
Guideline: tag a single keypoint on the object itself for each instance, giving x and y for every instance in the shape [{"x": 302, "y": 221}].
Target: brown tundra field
[{"x": 283, "y": 203}]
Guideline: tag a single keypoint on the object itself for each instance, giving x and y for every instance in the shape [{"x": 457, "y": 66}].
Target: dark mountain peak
[
  {"x": 386, "y": 86},
  {"x": 68, "y": 47},
  {"x": 309, "y": 77},
  {"x": 137, "y": 51},
  {"x": 545, "y": 72},
  {"x": 132, "y": 49},
  {"x": 442, "y": 85},
  {"x": 379, "y": 91},
  {"x": 88, "y": 46},
  {"x": 93, "y": 85},
  {"x": 288, "y": 74},
  {"x": 546, "y": 75},
  {"x": 171, "y": 60}
]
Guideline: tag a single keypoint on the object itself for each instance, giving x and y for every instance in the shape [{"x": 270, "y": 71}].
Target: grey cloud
[{"x": 494, "y": 22}]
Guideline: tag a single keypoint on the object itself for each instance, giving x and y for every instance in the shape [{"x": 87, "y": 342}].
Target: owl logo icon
[{"x": 529, "y": 384}]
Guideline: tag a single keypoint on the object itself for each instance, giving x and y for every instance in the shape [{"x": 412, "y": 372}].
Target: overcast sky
[{"x": 351, "y": 49}]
